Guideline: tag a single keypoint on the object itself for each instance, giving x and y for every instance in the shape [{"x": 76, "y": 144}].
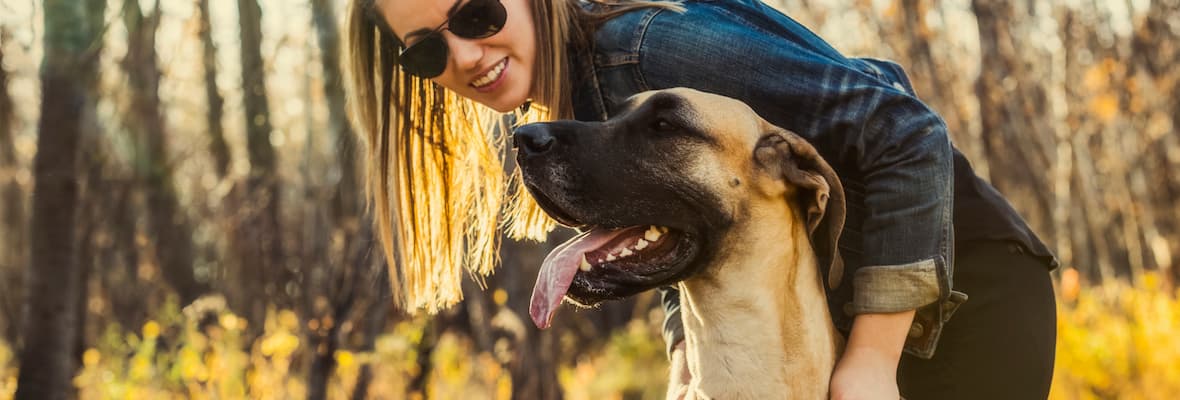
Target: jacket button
[{"x": 916, "y": 330}]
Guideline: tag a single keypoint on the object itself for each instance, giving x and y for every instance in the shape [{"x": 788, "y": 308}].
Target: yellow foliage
[
  {"x": 288, "y": 320},
  {"x": 1105, "y": 106},
  {"x": 7, "y": 371},
  {"x": 1096, "y": 78},
  {"x": 91, "y": 357},
  {"x": 1115, "y": 340},
  {"x": 210, "y": 362},
  {"x": 1118, "y": 341},
  {"x": 633, "y": 365},
  {"x": 457, "y": 370},
  {"x": 1104, "y": 98},
  {"x": 344, "y": 359},
  {"x": 280, "y": 344},
  {"x": 151, "y": 330},
  {"x": 231, "y": 322},
  {"x": 1070, "y": 285}
]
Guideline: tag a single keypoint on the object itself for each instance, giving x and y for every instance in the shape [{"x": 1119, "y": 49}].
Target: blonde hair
[{"x": 435, "y": 175}]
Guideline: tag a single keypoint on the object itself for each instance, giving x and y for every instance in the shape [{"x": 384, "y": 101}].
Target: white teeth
[
  {"x": 491, "y": 76},
  {"x": 625, "y": 252},
  {"x": 641, "y": 244},
  {"x": 611, "y": 257},
  {"x": 585, "y": 266},
  {"x": 653, "y": 234}
]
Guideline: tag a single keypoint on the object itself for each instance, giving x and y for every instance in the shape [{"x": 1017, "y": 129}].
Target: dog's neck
[{"x": 757, "y": 323}]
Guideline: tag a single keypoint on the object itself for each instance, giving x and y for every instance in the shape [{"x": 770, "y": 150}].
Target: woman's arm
[
  {"x": 884, "y": 142},
  {"x": 868, "y": 368},
  {"x": 877, "y": 134}
]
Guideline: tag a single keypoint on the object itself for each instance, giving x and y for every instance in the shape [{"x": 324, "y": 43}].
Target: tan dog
[{"x": 689, "y": 188}]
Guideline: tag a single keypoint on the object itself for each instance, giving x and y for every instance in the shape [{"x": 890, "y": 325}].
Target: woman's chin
[
  {"x": 505, "y": 107},
  {"x": 505, "y": 99},
  {"x": 505, "y": 104}
]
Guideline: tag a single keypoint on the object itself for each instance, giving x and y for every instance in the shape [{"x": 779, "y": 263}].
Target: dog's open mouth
[
  {"x": 636, "y": 235},
  {"x": 605, "y": 263}
]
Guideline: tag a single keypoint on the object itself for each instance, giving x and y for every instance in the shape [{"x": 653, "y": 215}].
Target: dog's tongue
[{"x": 557, "y": 272}]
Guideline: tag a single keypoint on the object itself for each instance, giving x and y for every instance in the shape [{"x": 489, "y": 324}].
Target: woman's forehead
[{"x": 406, "y": 16}]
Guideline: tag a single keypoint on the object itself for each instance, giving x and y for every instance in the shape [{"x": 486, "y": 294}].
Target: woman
[{"x": 431, "y": 77}]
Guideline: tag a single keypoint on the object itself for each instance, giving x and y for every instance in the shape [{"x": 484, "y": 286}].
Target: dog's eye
[{"x": 662, "y": 125}]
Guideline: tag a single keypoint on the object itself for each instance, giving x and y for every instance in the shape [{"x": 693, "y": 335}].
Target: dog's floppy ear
[{"x": 820, "y": 192}]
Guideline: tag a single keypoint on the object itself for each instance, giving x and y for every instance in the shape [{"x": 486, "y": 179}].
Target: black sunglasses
[{"x": 477, "y": 19}]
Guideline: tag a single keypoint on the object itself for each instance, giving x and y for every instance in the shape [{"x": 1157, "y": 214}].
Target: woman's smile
[{"x": 492, "y": 79}]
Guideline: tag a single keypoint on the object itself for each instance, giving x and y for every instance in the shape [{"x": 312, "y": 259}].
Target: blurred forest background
[{"x": 180, "y": 213}]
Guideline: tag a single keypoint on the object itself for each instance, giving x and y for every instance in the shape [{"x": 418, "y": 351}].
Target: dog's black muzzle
[
  {"x": 544, "y": 162},
  {"x": 532, "y": 140},
  {"x": 605, "y": 175}
]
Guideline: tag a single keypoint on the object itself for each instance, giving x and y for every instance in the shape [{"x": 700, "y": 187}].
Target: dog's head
[{"x": 664, "y": 187}]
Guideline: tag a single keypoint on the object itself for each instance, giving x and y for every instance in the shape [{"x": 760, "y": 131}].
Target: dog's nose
[{"x": 532, "y": 139}]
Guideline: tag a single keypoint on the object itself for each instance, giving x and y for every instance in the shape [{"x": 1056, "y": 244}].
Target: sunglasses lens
[
  {"x": 478, "y": 19},
  {"x": 475, "y": 20},
  {"x": 427, "y": 58}
]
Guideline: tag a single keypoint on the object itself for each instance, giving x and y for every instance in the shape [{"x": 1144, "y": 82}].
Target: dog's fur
[{"x": 744, "y": 197}]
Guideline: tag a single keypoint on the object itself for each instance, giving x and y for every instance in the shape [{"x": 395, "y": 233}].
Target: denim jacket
[{"x": 891, "y": 151}]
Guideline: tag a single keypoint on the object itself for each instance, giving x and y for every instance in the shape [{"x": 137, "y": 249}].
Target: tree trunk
[
  {"x": 324, "y": 343},
  {"x": 534, "y": 362},
  {"x": 46, "y": 362},
  {"x": 372, "y": 324},
  {"x": 93, "y": 194},
  {"x": 348, "y": 204},
  {"x": 1155, "y": 48},
  {"x": 170, "y": 229},
  {"x": 217, "y": 144},
  {"x": 258, "y": 126},
  {"x": 263, "y": 278},
  {"x": 350, "y": 271},
  {"x": 119, "y": 266},
  {"x": 13, "y": 236},
  {"x": 1008, "y": 113}
]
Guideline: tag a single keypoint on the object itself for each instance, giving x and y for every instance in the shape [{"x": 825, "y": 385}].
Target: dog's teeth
[
  {"x": 641, "y": 244},
  {"x": 662, "y": 229},
  {"x": 585, "y": 266},
  {"x": 652, "y": 234},
  {"x": 625, "y": 252},
  {"x": 611, "y": 257}
]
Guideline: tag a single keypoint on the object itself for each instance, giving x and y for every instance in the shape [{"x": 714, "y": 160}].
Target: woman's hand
[
  {"x": 865, "y": 375},
  {"x": 868, "y": 368},
  {"x": 680, "y": 375}
]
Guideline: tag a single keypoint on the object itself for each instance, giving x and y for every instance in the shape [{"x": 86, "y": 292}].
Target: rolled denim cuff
[{"x": 894, "y": 288}]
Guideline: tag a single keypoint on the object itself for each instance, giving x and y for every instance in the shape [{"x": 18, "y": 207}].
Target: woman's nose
[{"x": 466, "y": 53}]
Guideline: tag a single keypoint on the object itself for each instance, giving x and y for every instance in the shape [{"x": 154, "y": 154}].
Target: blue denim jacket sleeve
[{"x": 863, "y": 119}]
